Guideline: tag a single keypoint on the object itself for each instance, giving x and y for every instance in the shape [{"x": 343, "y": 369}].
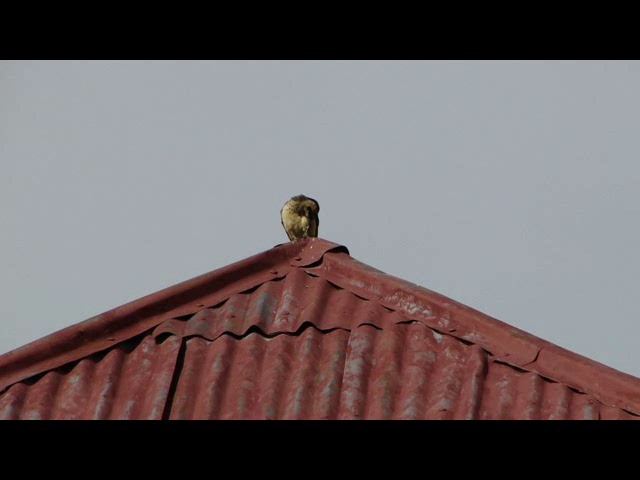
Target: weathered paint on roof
[{"x": 305, "y": 331}]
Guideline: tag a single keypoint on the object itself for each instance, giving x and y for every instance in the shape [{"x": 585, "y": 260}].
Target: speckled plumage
[{"x": 299, "y": 217}]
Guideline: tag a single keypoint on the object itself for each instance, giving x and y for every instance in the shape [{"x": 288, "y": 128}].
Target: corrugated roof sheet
[
  {"x": 304, "y": 331},
  {"x": 128, "y": 381}
]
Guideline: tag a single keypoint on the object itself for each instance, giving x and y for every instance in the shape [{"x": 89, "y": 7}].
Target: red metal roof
[{"x": 304, "y": 331}]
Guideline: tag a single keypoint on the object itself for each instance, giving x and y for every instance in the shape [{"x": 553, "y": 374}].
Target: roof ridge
[{"x": 121, "y": 323}]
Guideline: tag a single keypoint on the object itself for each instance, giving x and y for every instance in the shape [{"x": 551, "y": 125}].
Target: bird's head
[{"x": 306, "y": 204}]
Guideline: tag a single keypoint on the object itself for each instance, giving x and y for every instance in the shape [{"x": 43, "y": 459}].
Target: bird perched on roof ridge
[{"x": 299, "y": 217}]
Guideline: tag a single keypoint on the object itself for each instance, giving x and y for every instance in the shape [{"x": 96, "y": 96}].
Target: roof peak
[{"x": 333, "y": 263}]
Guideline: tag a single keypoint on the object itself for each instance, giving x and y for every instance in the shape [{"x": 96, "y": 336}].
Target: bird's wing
[
  {"x": 283, "y": 226},
  {"x": 313, "y": 226}
]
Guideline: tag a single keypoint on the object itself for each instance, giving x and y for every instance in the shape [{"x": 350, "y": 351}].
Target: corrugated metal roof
[
  {"x": 404, "y": 372},
  {"x": 305, "y": 331},
  {"x": 128, "y": 381}
]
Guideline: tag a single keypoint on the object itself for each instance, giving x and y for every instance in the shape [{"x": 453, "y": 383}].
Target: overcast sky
[{"x": 511, "y": 187}]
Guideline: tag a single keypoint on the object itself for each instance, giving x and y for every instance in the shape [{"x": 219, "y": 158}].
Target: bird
[{"x": 299, "y": 217}]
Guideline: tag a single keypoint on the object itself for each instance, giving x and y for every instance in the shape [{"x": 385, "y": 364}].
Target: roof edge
[
  {"x": 133, "y": 318},
  {"x": 506, "y": 343}
]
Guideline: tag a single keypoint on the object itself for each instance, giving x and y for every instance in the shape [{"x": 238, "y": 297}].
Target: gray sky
[{"x": 511, "y": 187}]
